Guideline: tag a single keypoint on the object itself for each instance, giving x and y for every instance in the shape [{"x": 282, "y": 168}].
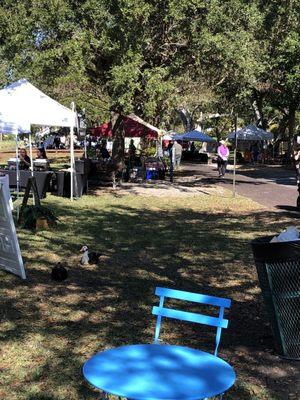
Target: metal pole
[
  {"x": 31, "y": 163},
  {"x": 17, "y": 169},
  {"x": 72, "y": 156},
  {"x": 30, "y": 153},
  {"x": 171, "y": 165},
  {"x": 234, "y": 156}
]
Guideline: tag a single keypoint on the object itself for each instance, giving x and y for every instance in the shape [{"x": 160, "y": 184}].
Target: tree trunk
[
  {"x": 118, "y": 150},
  {"x": 292, "y": 122},
  {"x": 291, "y": 128},
  {"x": 258, "y": 109},
  {"x": 218, "y": 134},
  {"x": 186, "y": 119}
]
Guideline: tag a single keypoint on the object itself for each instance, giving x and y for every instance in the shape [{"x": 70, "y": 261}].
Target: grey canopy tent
[{"x": 248, "y": 133}]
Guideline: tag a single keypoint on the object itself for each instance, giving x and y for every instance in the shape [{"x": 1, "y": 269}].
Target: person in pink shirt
[{"x": 223, "y": 154}]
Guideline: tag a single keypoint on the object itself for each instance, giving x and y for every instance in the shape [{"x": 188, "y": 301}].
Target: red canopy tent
[{"x": 133, "y": 127}]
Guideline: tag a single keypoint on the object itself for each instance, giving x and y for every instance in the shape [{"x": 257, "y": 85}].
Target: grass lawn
[
  {"x": 9, "y": 145},
  {"x": 201, "y": 244}
]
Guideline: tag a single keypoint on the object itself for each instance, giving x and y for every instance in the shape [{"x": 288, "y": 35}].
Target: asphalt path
[{"x": 271, "y": 186}]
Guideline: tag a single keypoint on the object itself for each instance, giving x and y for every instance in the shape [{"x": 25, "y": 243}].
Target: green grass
[
  {"x": 9, "y": 145},
  {"x": 48, "y": 330}
]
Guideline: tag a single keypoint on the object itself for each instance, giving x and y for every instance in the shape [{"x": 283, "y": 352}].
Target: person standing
[
  {"x": 132, "y": 154},
  {"x": 132, "y": 149},
  {"x": 223, "y": 154},
  {"x": 57, "y": 141},
  {"x": 41, "y": 153},
  {"x": 254, "y": 152},
  {"x": 176, "y": 154},
  {"x": 24, "y": 159},
  {"x": 104, "y": 152},
  {"x": 193, "y": 148}
]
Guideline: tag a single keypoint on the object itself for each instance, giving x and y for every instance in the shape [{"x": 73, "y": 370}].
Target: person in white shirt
[{"x": 176, "y": 154}]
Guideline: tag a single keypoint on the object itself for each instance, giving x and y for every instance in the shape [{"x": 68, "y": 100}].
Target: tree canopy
[{"x": 158, "y": 57}]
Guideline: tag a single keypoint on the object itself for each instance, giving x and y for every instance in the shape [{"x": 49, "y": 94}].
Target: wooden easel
[{"x": 31, "y": 184}]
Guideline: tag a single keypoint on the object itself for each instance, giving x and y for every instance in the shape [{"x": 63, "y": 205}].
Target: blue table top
[{"x": 159, "y": 372}]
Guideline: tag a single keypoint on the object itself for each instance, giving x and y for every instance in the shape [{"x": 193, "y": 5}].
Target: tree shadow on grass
[{"x": 109, "y": 305}]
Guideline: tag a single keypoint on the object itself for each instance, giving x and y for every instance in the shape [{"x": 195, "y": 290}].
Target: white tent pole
[
  {"x": 15, "y": 130},
  {"x": 72, "y": 154},
  {"x": 31, "y": 162},
  {"x": 30, "y": 153},
  {"x": 234, "y": 157}
]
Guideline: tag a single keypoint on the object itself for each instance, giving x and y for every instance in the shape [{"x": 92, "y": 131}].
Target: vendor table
[
  {"x": 159, "y": 372},
  {"x": 101, "y": 172},
  {"x": 63, "y": 181},
  {"x": 42, "y": 179},
  {"x": 83, "y": 166}
]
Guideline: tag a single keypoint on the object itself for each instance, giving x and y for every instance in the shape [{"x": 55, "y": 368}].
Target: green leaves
[{"x": 151, "y": 56}]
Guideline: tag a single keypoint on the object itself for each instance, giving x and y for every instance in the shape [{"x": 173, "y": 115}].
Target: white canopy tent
[
  {"x": 23, "y": 105},
  {"x": 248, "y": 133}
]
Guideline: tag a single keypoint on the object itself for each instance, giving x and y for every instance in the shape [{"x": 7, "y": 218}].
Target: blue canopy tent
[{"x": 194, "y": 136}]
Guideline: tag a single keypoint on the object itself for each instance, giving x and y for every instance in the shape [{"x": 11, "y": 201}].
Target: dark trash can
[{"x": 278, "y": 269}]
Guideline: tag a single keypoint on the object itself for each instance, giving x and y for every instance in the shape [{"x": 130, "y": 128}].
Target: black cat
[{"x": 59, "y": 273}]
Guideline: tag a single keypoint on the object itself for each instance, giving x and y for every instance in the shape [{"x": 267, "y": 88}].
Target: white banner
[
  {"x": 10, "y": 254},
  {"x": 5, "y": 181}
]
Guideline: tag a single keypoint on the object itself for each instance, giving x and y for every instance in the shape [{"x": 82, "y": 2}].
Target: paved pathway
[{"x": 270, "y": 186}]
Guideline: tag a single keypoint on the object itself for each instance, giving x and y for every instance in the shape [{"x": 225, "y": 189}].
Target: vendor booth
[
  {"x": 23, "y": 105},
  {"x": 189, "y": 151},
  {"x": 194, "y": 136},
  {"x": 134, "y": 127},
  {"x": 138, "y": 165},
  {"x": 251, "y": 143},
  {"x": 249, "y": 133}
]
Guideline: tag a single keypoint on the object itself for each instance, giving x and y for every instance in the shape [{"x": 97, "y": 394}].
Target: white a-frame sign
[{"x": 10, "y": 254}]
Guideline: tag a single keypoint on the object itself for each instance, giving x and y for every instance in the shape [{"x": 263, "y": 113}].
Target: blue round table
[{"x": 159, "y": 372}]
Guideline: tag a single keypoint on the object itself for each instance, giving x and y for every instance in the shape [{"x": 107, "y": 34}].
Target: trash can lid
[{"x": 265, "y": 251}]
